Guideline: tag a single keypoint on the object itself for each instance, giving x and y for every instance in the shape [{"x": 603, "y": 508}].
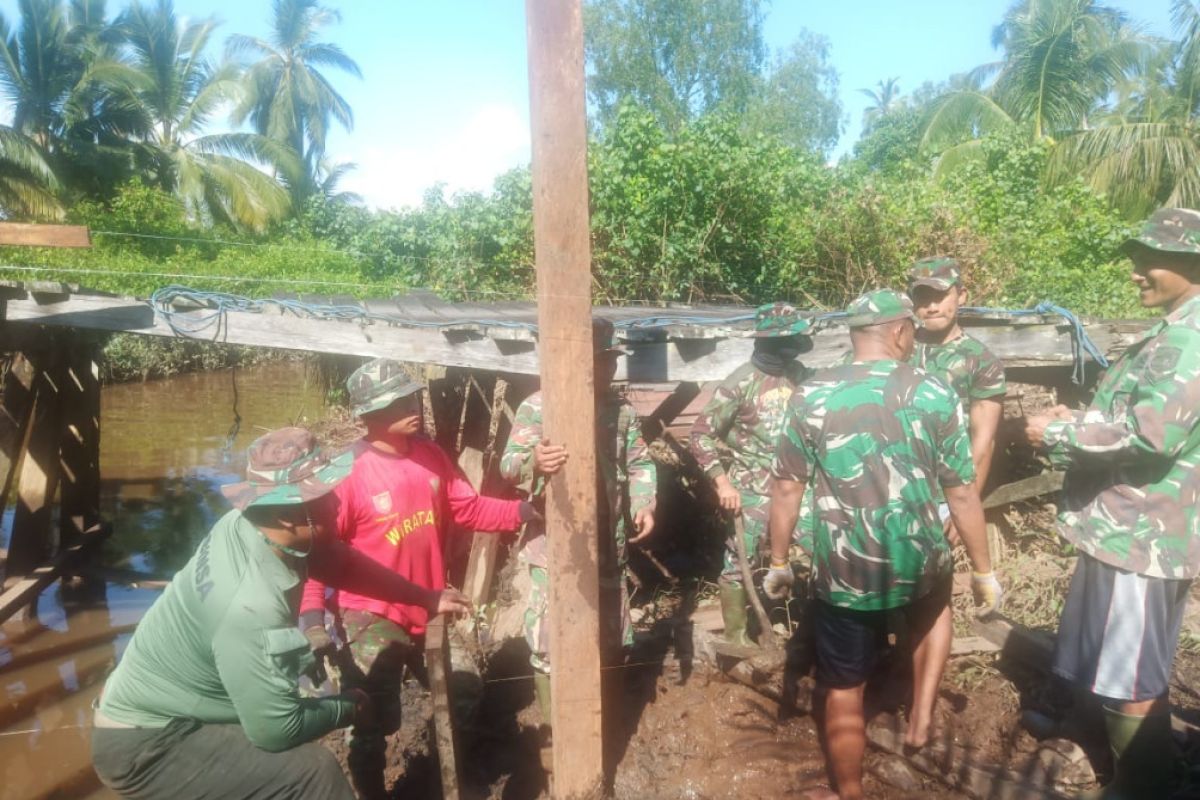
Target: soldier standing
[
  {"x": 396, "y": 507},
  {"x": 964, "y": 363},
  {"x": 1131, "y": 506},
  {"x": 628, "y": 481},
  {"x": 746, "y": 414},
  {"x": 880, "y": 441}
]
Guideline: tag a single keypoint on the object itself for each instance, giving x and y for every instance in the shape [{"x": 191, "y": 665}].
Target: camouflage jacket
[
  {"x": 623, "y": 463},
  {"x": 1132, "y": 493},
  {"x": 876, "y": 439},
  {"x": 746, "y": 412},
  {"x": 966, "y": 365}
]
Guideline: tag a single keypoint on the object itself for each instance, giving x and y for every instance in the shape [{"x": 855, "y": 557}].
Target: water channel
[{"x": 165, "y": 451}]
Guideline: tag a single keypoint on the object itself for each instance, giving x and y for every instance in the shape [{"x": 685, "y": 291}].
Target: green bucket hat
[
  {"x": 287, "y": 467},
  {"x": 879, "y": 306},
  {"x": 1171, "y": 230},
  {"x": 377, "y": 384},
  {"x": 779, "y": 319},
  {"x": 604, "y": 336},
  {"x": 937, "y": 272}
]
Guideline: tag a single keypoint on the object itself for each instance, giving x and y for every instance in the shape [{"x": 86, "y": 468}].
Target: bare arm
[
  {"x": 984, "y": 422},
  {"x": 785, "y": 509},
  {"x": 967, "y": 512}
]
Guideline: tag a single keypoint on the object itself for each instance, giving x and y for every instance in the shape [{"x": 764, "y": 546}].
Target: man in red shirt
[{"x": 396, "y": 506}]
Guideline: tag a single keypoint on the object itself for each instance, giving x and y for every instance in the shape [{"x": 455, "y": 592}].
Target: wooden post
[
  {"x": 437, "y": 662},
  {"x": 562, "y": 253},
  {"x": 16, "y": 410},
  {"x": 80, "y": 444}
]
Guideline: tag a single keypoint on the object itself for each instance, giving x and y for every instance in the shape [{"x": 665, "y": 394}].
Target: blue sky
[{"x": 444, "y": 94}]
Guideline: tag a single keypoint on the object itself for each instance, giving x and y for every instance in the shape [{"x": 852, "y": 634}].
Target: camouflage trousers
[
  {"x": 756, "y": 511},
  {"x": 616, "y": 625},
  {"x": 380, "y": 651}
]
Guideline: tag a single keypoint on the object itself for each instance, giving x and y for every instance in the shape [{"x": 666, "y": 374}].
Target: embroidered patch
[
  {"x": 1163, "y": 363},
  {"x": 382, "y": 502}
]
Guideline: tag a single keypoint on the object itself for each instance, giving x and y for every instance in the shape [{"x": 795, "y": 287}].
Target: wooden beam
[
  {"x": 1024, "y": 489},
  {"x": 24, "y": 590},
  {"x": 18, "y": 234},
  {"x": 1036, "y": 344},
  {"x": 437, "y": 662},
  {"x": 564, "y": 282},
  {"x": 16, "y": 411},
  {"x": 79, "y": 447},
  {"x": 32, "y": 542}
]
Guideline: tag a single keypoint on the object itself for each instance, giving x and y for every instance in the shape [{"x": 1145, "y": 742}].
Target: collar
[
  {"x": 281, "y": 572},
  {"x": 1191, "y": 307}
]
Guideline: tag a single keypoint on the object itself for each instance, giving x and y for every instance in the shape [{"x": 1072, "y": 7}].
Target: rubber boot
[
  {"x": 733, "y": 612},
  {"x": 1143, "y": 757},
  {"x": 541, "y": 688},
  {"x": 366, "y": 761}
]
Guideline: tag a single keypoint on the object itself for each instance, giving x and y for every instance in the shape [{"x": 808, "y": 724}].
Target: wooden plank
[
  {"x": 437, "y": 662},
  {"x": 1024, "y": 489},
  {"x": 562, "y": 252},
  {"x": 19, "y": 234},
  {"x": 32, "y": 542},
  {"x": 16, "y": 412},
  {"x": 662, "y": 417},
  {"x": 24, "y": 590}
]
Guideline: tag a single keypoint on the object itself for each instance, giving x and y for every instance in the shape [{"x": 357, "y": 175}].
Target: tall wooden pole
[{"x": 564, "y": 282}]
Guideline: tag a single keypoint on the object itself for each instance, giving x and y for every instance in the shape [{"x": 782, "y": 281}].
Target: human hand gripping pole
[{"x": 988, "y": 593}]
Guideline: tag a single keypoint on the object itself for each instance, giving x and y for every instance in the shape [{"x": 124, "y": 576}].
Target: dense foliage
[{"x": 727, "y": 198}]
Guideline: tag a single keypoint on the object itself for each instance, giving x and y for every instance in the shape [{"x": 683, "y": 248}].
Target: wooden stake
[
  {"x": 563, "y": 257},
  {"x": 437, "y": 662}
]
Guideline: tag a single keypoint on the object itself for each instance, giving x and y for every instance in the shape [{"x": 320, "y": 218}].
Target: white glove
[
  {"x": 988, "y": 592},
  {"x": 777, "y": 583}
]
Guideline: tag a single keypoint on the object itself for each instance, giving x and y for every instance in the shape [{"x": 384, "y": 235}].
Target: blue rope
[{"x": 1081, "y": 344}]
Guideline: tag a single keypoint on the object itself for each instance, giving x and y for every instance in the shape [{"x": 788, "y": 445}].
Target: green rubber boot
[
  {"x": 541, "y": 688},
  {"x": 1143, "y": 757},
  {"x": 733, "y": 612}
]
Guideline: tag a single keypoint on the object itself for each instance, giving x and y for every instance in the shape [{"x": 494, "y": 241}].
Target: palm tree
[
  {"x": 178, "y": 90},
  {"x": 1147, "y": 153},
  {"x": 885, "y": 98},
  {"x": 56, "y": 69},
  {"x": 1061, "y": 58},
  {"x": 287, "y": 96}
]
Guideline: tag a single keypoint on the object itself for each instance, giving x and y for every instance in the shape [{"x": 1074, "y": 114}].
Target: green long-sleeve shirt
[{"x": 221, "y": 646}]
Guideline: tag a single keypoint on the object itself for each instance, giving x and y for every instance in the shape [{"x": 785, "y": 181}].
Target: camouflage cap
[
  {"x": 377, "y": 384},
  {"x": 1171, "y": 230},
  {"x": 877, "y": 307},
  {"x": 287, "y": 467},
  {"x": 779, "y": 319},
  {"x": 938, "y": 272},
  {"x": 604, "y": 335}
]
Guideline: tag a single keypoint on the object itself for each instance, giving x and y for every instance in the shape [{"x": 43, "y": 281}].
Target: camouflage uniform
[
  {"x": 629, "y": 482},
  {"x": 876, "y": 440},
  {"x": 963, "y": 362},
  {"x": 746, "y": 414},
  {"x": 1132, "y": 492},
  {"x": 1131, "y": 505}
]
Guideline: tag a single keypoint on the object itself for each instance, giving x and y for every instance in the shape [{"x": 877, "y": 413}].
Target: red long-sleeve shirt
[{"x": 397, "y": 510}]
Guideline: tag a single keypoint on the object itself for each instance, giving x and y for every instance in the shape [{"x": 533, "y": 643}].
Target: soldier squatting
[{"x": 871, "y": 469}]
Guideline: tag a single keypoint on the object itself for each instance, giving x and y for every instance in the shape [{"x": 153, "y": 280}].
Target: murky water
[{"x": 165, "y": 450}]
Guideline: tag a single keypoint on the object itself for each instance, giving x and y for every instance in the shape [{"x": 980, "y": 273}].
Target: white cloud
[{"x": 492, "y": 140}]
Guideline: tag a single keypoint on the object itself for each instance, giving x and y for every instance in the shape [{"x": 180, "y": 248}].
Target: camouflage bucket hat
[
  {"x": 287, "y": 467},
  {"x": 938, "y": 272},
  {"x": 1171, "y": 230},
  {"x": 377, "y": 384},
  {"x": 878, "y": 307},
  {"x": 604, "y": 335},
  {"x": 779, "y": 319}
]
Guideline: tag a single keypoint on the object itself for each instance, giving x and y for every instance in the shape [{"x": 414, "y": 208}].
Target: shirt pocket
[{"x": 289, "y": 651}]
